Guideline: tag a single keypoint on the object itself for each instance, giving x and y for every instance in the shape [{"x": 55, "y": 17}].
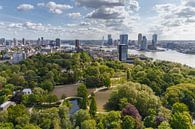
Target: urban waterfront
[{"x": 168, "y": 55}]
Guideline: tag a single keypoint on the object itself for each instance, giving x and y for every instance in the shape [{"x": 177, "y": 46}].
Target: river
[{"x": 168, "y": 55}]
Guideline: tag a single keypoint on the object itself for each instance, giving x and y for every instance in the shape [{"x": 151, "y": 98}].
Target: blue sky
[{"x": 92, "y": 19}]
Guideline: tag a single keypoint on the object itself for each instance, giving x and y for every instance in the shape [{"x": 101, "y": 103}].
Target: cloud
[
  {"x": 25, "y": 7},
  {"x": 98, "y": 3},
  {"x": 176, "y": 15},
  {"x": 40, "y": 4},
  {"x": 112, "y": 13},
  {"x": 1, "y": 7},
  {"x": 33, "y": 30},
  {"x": 74, "y": 15},
  {"x": 85, "y": 23},
  {"x": 172, "y": 19},
  {"x": 107, "y": 13},
  {"x": 57, "y": 8},
  {"x": 189, "y": 3}
]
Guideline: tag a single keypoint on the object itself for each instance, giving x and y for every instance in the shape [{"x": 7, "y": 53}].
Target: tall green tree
[
  {"x": 93, "y": 106},
  {"x": 82, "y": 92}
]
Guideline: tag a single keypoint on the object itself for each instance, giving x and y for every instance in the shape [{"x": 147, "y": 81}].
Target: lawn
[
  {"x": 68, "y": 90},
  {"x": 71, "y": 90},
  {"x": 101, "y": 99}
]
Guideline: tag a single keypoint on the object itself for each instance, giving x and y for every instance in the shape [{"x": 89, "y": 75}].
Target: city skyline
[{"x": 93, "y": 19}]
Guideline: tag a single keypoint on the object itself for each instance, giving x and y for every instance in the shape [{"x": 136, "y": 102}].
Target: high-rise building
[
  {"x": 77, "y": 44},
  {"x": 58, "y": 42},
  {"x": 38, "y": 41},
  {"x": 154, "y": 41},
  {"x": 15, "y": 41},
  {"x": 110, "y": 41},
  {"x": 139, "y": 41},
  {"x": 124, "y": 39},
  {"x": 42, "y": 41},
  {"x": 144, "y": 44},
  {"x": 23, "y": 41},
  {"x": 123, "y": 52},
  {"x": 2, "y": 41}
]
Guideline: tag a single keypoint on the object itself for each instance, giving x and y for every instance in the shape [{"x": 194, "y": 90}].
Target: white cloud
[
  {"x": 85, "y": 23},
  {"x": 40, "y": 4},
  {"x": 1, "y": 7},
  {"x": 173, "y": 19},
  {"x": 117, "y": 15},
  {"x": 25, "y": 7},
  {"x": 57, "y": 8},
  {"x": 31, "y": 30},
  {"x": 74, "y": 15}
]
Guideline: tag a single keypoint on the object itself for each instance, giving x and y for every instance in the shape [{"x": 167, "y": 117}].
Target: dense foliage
[
  {"x": 155, "y": 95},
  {"x": 160, "y": 75}
]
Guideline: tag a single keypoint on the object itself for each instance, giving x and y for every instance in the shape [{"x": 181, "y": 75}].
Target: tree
[
  {"x": 183, "y": 93},
  {"x": 23, "y": 120},
  {"x": 92, "y": 71},
  {"x": 128, "y": 123},
  {"x": 164, "y": 125},
  {"x": 129, "y": 75},
  {"x": 81, "y": 116},
  {"x": 88, "y": 124},
  {"x": 105, "y": 79},
  {"x": 113, "y": 120},
  {"x": 6, "y": 126},
  {"x": 3, "y": 116},
  {"x": 82, "y": 92},
  {"x": 123, "y": 103},
  {"x": 179, "y": 107},
  {"x": 132, "y": 111},
  {"x": 181, "y": 120},
  {"x": 2, "y": 82},
  {"x": 139, "y": 95},
  {"x": 17, "y": 112},
  {"x": 150, "y": 120},
  {"x": 93, "y": 107},
  {"x": 17, "y": 80},
  {"x": 47, "y": 85},
  {"x": 31, "y": 126},
  {"x": 31, "y": 78}
]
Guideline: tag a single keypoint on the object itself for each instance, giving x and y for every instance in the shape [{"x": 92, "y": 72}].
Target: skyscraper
[
  {"x": 23, "y": 41},
  {"x": 15, "y": 41},
  {"x": 2, "y": 41},
  {"x": 154, "y": 41},
  {"x": 58, "y": 42},
  {"x": 139, "y": 41},
  {"x": 123, "y": 47},
  {"x": 123, "y": 52},
  {"x": 42, "y": 41},
  {"x": 124, "y": 39},
  {"x": 110, "y": 41},
  {"x": 144, "y": 44},
  {"x": 77, "y": 44}
]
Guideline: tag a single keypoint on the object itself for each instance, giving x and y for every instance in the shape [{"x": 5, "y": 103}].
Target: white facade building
[{"x": 27, "y": 91}]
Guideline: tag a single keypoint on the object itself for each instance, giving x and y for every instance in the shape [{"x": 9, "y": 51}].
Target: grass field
[
  {"x": 101, "y": 99},
  {"x": 71, "y": 90},
  {"x": 67, "y": 90}
]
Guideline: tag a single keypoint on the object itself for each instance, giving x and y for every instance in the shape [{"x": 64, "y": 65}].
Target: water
[
  {"x": 168, "y": 55},
  {"x": 74, "y": 107}
]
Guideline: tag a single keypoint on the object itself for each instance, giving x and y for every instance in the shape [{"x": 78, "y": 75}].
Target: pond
[{"x": 74, "y": 106}]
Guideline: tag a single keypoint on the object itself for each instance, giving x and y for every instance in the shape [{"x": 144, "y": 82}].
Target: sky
[{"x": 93, "y": 19}]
